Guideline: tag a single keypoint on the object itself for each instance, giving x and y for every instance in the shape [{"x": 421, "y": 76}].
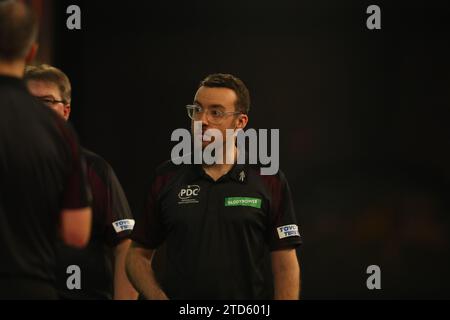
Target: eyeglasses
[
  {"x": 50, "y": 102},
  {"x": 214, "y": 116}
]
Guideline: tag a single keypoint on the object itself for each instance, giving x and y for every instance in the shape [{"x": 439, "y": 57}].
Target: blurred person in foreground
[{"x": 43, "y": 191}]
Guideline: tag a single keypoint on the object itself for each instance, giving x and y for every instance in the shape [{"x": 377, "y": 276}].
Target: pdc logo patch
[
  {"x": 189, "y": 194},
  {"x": 290, "y": 230}
]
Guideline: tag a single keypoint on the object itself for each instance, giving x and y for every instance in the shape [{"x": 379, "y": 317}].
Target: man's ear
[
  {"x": 242, "y": 121},
  {"x": 67, "y": 110},
  {"x": 31, "y": 53}
]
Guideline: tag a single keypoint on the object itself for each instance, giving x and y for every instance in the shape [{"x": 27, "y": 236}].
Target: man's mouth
[{"x": 207, "y": 135}]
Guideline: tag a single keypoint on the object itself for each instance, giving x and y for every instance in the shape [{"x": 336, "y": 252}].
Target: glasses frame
[
  {"x": 51, "y": 101},
  {"x": 193, "y": 107}
]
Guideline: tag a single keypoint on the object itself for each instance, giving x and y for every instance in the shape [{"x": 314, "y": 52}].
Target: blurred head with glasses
[
  {"x": 221, "y": 102},
  {"x": 51, "y": 86}
]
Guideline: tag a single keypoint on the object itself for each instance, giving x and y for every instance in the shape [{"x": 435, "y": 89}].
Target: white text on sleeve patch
[
  {"x": 122, "y": 225},
  {"x": 290, "y": 230}
]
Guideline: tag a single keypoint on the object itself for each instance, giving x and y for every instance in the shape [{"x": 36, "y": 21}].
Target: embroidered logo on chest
[
  {"x": 243, "y": 202},
  {"x": 189, "y": 194}
]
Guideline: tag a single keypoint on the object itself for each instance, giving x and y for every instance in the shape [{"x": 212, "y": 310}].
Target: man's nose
[{"x": 203, "y": 117}]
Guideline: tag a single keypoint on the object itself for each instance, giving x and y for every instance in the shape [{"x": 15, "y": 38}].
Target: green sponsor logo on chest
[{"x": 243, "y": 202}]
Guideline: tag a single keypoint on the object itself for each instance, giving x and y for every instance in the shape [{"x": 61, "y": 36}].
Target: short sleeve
[
  {"x": 283, "y": 229},
  {"x": 120, "y": 222}
]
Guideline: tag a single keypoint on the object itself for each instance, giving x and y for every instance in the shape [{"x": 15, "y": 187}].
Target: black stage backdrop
[{"x": 364, "y": 134}]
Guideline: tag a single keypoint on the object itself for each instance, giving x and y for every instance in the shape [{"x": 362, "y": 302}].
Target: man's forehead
[
  {"x": 37, "y": 83},
  {"x": 43, "y": 86},
  {"x": 215, "y": 96}
]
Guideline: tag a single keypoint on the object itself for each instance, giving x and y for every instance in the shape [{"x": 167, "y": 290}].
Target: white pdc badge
[
  {"x": 290, "y": 230},
  {"x": 122, "y": 225}
]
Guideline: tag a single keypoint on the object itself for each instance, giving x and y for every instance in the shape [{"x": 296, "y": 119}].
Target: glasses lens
[
  {"x": 215, "y": 115},
  {"x": 190, "y": 111},
  {"x": 47, "y": 102}
]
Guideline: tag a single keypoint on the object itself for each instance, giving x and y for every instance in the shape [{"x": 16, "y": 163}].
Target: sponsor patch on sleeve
[
  {"x": 290, "y": 230},
  {"x": 123, "y": 225}
]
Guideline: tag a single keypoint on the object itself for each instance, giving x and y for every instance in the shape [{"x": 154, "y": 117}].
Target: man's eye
[
  {"x": 197, "y": 109},
  {"x": 216, "y": 113}
]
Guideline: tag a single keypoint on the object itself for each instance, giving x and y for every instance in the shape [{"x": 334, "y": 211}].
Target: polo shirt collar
[{"x": 238, "y": 173}]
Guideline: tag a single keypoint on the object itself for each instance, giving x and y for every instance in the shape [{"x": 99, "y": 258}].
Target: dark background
[{"x": 362, "y": 116}]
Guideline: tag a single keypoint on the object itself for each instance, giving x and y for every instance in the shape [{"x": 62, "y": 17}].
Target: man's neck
[
  {"x": 218, "y": 170},
  {"x": 12, "y": 69}
]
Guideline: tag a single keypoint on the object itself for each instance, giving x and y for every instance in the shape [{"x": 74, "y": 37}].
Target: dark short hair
[
  {"x": 18, "y": 29},
  {"x": 44, "y": 72},
  {"x": 221, "y": 80}
]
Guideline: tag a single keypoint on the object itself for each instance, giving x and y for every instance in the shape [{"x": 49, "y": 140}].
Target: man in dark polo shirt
[
  {"x": 102, "y": 262},
  {"x": 43, "y": 188},
  {"x": 224, "y": 226}
]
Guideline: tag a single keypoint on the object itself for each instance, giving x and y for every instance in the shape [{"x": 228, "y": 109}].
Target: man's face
[
  {"x": 220, "y": 99},
  {"x": 49, "y": 94}
]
